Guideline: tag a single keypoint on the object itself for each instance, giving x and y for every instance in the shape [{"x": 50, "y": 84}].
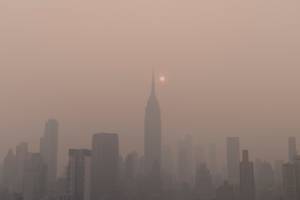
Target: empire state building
[{"x": 152, "y": 137}]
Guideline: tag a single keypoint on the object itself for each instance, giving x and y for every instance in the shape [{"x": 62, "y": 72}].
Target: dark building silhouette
[
  {"x": 289, "y": 181},
  {"x": 212, "y": 159},
  {"x": 9, "y": 171},
  {"x": 185, "y": 165},
  {"x": 203, "y": 183},
  {"x": 21, "y": 157},
  {"x": 49, "y": 151},
  {"x": 264, "y": 180},
  {"x": 292, "y": 144},
  {"x": 35, "y": 176},
  {"x": 247, "y": 182},
  {"x": 225, "y": 192},
  {"x": 79, "y": 174},
  {"x": 233, "y": 160},
  {"x": 131, "y": 167},
  {"x": 297, "y": 170},
  {"x": 105, "y": 166},
  {"x": 278, "y": 176},
  {"x": 152, "y": 139}
]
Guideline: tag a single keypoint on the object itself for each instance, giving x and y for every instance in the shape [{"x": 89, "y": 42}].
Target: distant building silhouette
[
  {"x": 233, "y": 160},
  {"x": 49, "y": 151},
  {"x": 105, "y": 166},
  {"x": 185, "y": 164},
  {"x": 35, "y": 176},
  {"x": 130, "y": 176},
  {"x": 203, "y": 183},
  {"x": 199, "y": 154},
  {"x": 264, "y": 180},
  {"x": 278, "y": 177},
  {"x": 212, "y": 159},
  {"x": 292, "y": 143},
  {"x": 79, "y": 174},
  {"x": 289, "y": 181},
  {"x": 152, "y": 138},
  {"x": 131, "y": 167},
  {"x": 9, "y": 171},
  {"x": 297, "y": 170},
  {"x": 225, "y": 192},
  {"x": 247, "y": 182},
  {"x": 22, "y": 155}
]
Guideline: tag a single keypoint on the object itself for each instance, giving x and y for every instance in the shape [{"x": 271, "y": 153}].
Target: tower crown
[{"x": 153, "y": 89}]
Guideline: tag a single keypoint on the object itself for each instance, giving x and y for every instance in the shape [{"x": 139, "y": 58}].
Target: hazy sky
[{"x": 232, "y": 68}]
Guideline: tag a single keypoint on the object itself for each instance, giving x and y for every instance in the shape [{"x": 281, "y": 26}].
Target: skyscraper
[
  {"x": 152, "y": 137},
  {"x": 185, "y": 164},
  {"x": 212, "y": 159},
  {"x": 247, "y": 182},
  {"x": 21, "y": 157},
  {"x": 225, "y": 192},
  {"x": 297, "y": 170},
  {"x": 292, "y": 149},
  {"x": 9, "y": 171},
  {"x": 35, "y": 176},
  {"x": 49, "y": 150},
  {"x": 131, "y": 167},
  {"x": 105, "y": 166},
  {"x": 203, "y": 183},
  {"x": 79, "y": 174},
  {"x": 289, "y": 181},
  {"x": 233, "y": 160}
]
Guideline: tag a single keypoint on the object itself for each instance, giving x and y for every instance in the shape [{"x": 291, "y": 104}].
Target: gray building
[
  {"x": 49, "y": 151},
  {"x": 22, "y": 155},
  {"x": 35, "y": 176},
  {"x": 9, "y": 171},
  {"x": 105, "y": 166},
  {"x": 185, "y": 164},
  {"x": 225, "y": 192},
  {"x": 152, "y": 135},
  {"x": 247, "y": 182},
  {"x": 79, "y": 174},
  {"x": 292, "y": 145},
  {"x": 289, "y": 181},
  {"x": 233, "y": 160}
]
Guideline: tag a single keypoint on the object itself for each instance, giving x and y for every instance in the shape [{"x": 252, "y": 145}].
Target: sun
[{"x": 162, "y": 79}]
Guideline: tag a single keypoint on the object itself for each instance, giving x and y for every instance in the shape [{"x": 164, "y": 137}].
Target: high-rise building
[
  {"x": 199, "y": 155},
  {"x": 292, "y": 148},
  {"x": 152, "y": 137},
  {"x": 247, "y": 182},
  {"x": 130, "y": 175},
  {"x": 35, "y": 176},
  {"x": 203, "y": 183},
  {"x": 79, "y": 174},
  {"x": 131, "y": 167},
  {"x": 264, "y": 180},
  {"x": 105, "y": 166},
  {"x": 49, "y": 151},
  {"x": 212, "y": 161},
  {"x": 233, "y": 160},
  {"x": 21, "y": 157},
  {"x": 278, "y": 164},
  {"x": 225, "y": 192},
  {"x": 185, "y": 164},
  {"x": 289, "y": 181},
  {"x": 9, "y": 171},
  {"x": 297, "y": 170}
]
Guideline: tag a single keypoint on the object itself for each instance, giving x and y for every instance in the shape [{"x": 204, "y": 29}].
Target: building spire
[{"x": 153, "y": 84}]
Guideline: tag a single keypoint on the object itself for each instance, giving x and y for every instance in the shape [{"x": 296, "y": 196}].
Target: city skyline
[
  {"x": 149, "y": 100},
  {"x": 103, "y": 173},
  {"x": 167, "y": 138},
  {"x": 231, "y": 69}
]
